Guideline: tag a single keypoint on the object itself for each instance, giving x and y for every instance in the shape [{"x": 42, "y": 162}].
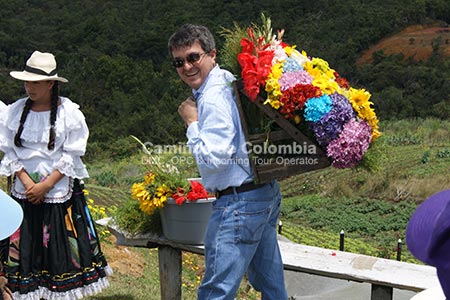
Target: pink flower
[{"x": 45, "y": 236}]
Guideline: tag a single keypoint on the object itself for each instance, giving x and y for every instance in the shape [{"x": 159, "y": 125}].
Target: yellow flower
[
  {"x": 146, "y": 205},
  {"x": 323, "y": 67},
  {"x": 149, "y": 178},
  {"x": 358, "y": 97},
  {"x": 274, "y": 103},
  {"x": 162, "y": 190},
  {"x": 325, "y": 84},
  {"x": 138, "y": 190},
  {"x": 289, "y": 49},
  {"x": 272, "y": 87},
  {"x": 276, "y": 71}
]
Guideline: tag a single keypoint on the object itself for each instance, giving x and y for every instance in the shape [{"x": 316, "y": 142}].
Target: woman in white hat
[{"x": 56, "y": 253}]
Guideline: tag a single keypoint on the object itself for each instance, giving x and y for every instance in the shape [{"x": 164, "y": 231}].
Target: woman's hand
[
  {"x": 6, "y": 293},
  {"x": 36, "y": 193}
]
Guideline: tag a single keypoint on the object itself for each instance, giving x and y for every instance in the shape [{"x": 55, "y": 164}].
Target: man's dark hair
[{"x": 188, "y": 34}]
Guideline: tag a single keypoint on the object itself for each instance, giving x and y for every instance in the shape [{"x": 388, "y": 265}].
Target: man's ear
[{"x": 213, "y": 53}]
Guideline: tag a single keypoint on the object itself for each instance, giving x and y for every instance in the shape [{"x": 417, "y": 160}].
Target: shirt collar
[{"x": 197, "y": 92}]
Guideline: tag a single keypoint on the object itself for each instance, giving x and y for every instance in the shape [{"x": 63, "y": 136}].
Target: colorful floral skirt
[{"x": 56, "y": 253}]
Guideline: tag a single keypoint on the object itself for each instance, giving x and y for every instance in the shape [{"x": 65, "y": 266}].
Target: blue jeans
[{"x": 242, "y": 237}]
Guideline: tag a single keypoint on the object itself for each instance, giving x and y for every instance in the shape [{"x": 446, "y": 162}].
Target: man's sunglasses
[{"x": 191, "y": 58}]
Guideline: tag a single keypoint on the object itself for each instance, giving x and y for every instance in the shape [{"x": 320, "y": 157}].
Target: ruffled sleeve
[
  {"x": 10, "y": 163},
  {"x": 76, "y": 135}
]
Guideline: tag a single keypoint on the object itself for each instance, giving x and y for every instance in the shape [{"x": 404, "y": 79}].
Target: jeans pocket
[{"x": 250, "y": 225}]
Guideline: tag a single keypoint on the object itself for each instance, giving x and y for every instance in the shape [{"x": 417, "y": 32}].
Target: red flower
[
  {"x": 294, "y": 99},
  {"x": 249, "y": 74},
  {"x": 197, "y": 191},
  {"x": 179, "y": 196},
  {"x": 264, "y": 65},
  {"x": 255, "y": 69},
  {"x": 341, "y": 81},
  {"x": 247, "y": 46}
]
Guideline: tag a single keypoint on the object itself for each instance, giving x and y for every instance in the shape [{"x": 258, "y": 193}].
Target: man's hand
[{"x": 188, "y": 111}]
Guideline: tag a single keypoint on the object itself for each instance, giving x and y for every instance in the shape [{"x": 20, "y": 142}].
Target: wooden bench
[{"x": 383, "y": 274}]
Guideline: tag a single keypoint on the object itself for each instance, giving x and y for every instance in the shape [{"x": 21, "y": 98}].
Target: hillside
[
  {"x": 414, "y": 42},
  {"x": 114, "y": 54}
]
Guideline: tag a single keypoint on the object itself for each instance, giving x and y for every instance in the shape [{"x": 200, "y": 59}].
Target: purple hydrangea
[
  {"x": 348, "y": 149},
  {"x": 330, "y": 125}
]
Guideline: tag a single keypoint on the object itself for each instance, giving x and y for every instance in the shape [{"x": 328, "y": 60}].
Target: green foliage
[
  {"x": 425, "y": 157},
  {"x": 371, "y": 226},
  {"x": 130, "y": 218},
  {"x": 376, "y": 156},
  {"x": 106, "y": 178},
  {"x": 444, "y": 153},
  {"x": 232, "y": 47}
]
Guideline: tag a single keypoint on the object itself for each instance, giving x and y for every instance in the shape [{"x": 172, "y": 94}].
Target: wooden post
[
  {"x": 399, "y": 250},
  {"x": 380, "y": 292},
  {"x": 341, "y": 240},
  {"x": 170, "y": 272}
]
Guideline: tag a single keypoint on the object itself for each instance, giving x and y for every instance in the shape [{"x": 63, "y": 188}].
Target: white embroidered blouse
[{"x": 70, "y": 144}]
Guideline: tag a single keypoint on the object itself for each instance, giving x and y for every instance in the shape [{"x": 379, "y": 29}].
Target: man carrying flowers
[{"x": 241, "y": 235}]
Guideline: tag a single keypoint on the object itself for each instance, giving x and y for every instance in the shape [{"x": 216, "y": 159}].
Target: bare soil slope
[{"x": 414, "y": 42}]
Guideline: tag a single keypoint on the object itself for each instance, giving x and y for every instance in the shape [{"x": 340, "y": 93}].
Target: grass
[{"x": 136, "y": 275}]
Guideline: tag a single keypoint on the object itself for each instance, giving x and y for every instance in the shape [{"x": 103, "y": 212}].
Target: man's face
[{"x": 194, "y": 64}]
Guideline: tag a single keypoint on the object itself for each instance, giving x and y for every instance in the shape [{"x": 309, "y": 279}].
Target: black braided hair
[
  {"x": 23, "y": 117},
  {"x": 54, "y": 109}
]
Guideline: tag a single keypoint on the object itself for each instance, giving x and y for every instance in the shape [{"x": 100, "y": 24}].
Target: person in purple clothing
[
  {"x": 428, "y": 239},
  {"x": 241, "y": 235}
]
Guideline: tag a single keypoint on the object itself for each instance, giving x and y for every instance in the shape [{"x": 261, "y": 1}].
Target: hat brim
[
  {"x": 430, "y": 294},
  {"x": 427, "y": 235},
  {"x": 27, "y": 76},
  {"x": 419, "y": 230},
  {"x": 11, "y": 215}
]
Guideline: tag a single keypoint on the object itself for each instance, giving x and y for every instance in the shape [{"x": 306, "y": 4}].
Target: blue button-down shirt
[{"x": 216, "y": 140}]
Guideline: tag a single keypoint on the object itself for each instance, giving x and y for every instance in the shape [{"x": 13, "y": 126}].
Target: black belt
[{"x": 239, "y": 189}]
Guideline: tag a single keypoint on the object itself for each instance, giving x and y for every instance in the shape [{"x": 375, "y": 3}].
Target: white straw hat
[
  {"x": 40, "y": 66},
  {"x": 11, "y": 215},
  {"x": 435, "y": 293}
]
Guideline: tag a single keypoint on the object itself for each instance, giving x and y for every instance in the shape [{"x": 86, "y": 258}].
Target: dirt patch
[
  {"x": 414, "y": 42},
  {"x": 122, "y": 259}
]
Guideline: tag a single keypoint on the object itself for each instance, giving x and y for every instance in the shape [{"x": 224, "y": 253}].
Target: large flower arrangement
[
  {"x": 164, "y": 180},
  {"x": 305, "y": 89}
]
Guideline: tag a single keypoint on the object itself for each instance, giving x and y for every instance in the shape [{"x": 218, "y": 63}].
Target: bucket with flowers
[
  {"x": 287, "y": 97},
  {"x": 183, "y": 204}
]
